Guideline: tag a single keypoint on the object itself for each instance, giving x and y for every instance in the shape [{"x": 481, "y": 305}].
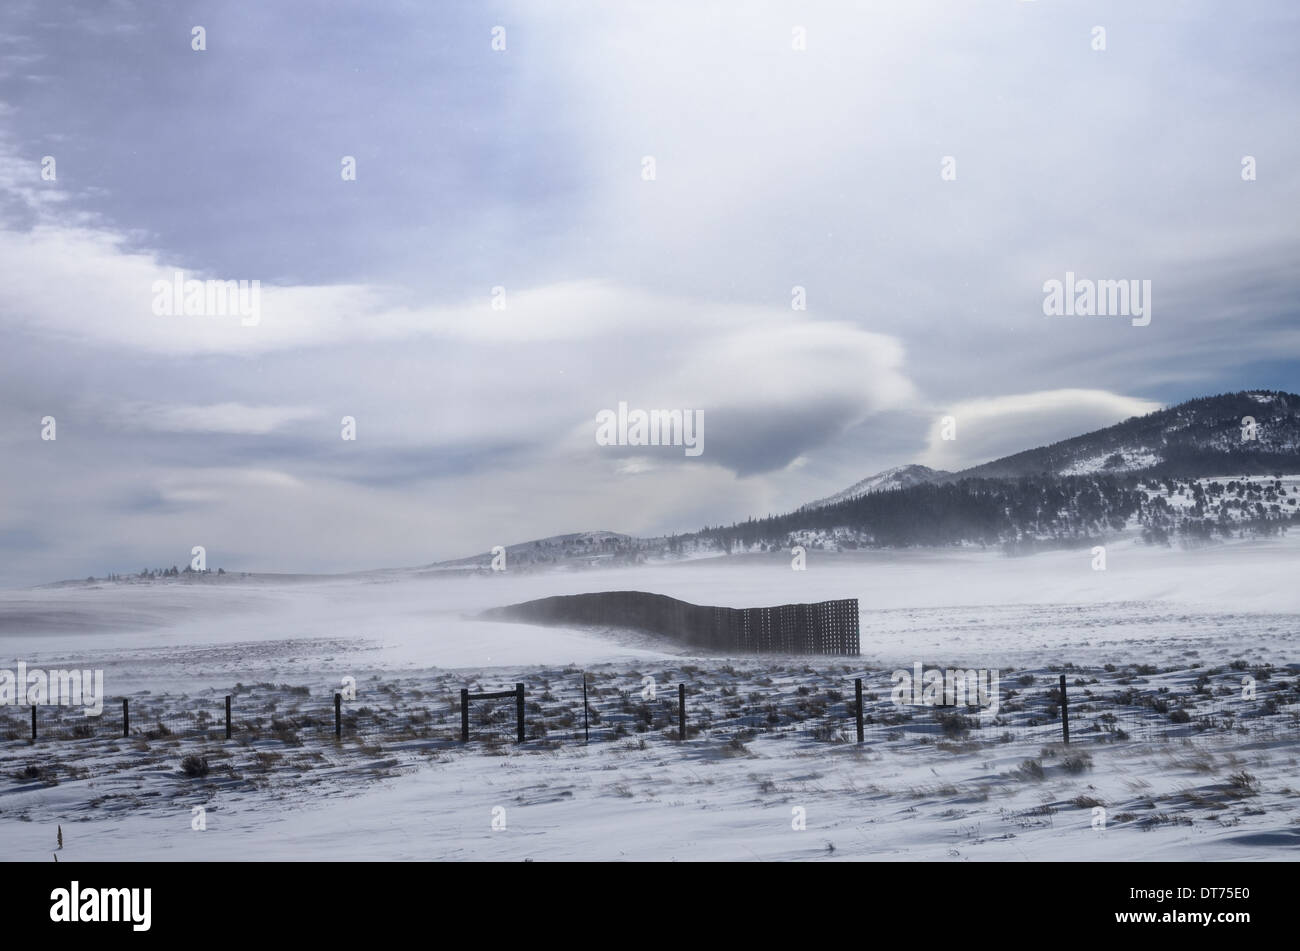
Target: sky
[{"x": 503, "y": 266}]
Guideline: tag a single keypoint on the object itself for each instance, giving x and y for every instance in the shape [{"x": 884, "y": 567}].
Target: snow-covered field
[{"x": 1161, "y": 630}]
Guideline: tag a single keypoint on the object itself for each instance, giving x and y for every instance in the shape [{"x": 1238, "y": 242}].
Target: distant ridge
[
  {"x": 899, "y": 477},
  {"x": 1199, "y": 437}
]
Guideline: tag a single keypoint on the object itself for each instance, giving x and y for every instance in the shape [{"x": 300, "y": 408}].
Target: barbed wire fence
[{"x": 574, "y": 706}]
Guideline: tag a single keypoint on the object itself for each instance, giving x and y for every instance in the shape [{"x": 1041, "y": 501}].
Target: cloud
[
  {"x": 779, "y": 392},
  {"x": 230, "y": 418},
  {"x": 774, "y": 383},
  {"x": 770, "y": 387},
  {"x": 989, "y": 428},
  {"x": 205, "y": 486}
]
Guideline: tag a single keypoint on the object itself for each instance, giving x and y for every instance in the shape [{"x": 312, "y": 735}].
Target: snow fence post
[
  {"x": 519, "y": 709},
  {"x": 857, "y": 686},
  {"x": 586, "y": 727},
  {"x": 1065, "y": 713}
]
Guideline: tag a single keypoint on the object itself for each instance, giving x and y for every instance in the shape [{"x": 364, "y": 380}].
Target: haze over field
[{"x": 910, "y": 601}]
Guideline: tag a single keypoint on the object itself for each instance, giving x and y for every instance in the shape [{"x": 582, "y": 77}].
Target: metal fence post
[
  {"x": 858, "y": 688},
  {"x": 1065, "y": 712}
]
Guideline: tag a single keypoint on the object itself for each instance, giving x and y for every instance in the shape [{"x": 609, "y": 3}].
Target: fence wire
[{"x": 808, "y": 706}]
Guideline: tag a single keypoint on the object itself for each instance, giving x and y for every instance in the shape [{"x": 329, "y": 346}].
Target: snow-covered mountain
[
  {"x": 899, "y": 477},
  {"x": 1201, "y": 437}
]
